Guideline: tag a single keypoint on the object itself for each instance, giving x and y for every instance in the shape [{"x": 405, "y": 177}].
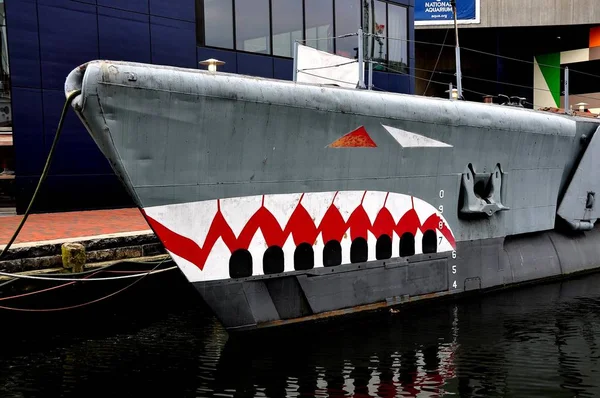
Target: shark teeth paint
[{"x": 205, "y": 233}]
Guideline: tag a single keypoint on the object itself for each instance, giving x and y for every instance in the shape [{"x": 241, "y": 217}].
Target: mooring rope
[
  {"x": 54, "y": 277},
  {"x": 108, "y": 278},
  {"x": 61, "y": 121},
  {"x": 71, "y": 307}
]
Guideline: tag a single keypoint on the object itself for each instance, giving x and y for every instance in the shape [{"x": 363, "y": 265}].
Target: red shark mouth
[{"x": 300, "y": 226}]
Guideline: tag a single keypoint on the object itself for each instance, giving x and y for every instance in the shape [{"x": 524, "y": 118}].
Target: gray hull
[{"x": 232, "y": 169}]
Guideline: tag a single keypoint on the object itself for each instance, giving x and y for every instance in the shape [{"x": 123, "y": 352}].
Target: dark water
[{"x": 160, "y": 341}]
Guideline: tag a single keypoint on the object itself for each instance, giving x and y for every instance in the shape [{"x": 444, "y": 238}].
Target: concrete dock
[{"x": 107, "y": 235}]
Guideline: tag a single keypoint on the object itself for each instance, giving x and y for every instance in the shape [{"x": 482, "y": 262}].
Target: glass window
[
  {"x": 347, "y": 20},
  {"x": 380, "y": 32},
  {"x": 319, "y": 24},
  {"x": 287, "y": 26},
  {"x": 252, "y": 30},
  {"x": 218, "y": 23},
  {"x": 398, "y": 33}
]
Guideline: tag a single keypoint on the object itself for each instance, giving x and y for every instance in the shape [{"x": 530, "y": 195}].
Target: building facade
[
  {"x": 513, "y": 48},
  {"x": 48, "y": 38}
]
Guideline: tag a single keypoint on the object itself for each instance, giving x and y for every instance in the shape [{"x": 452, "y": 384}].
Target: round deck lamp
[
  {"x": 453, "y": 93},
  {"x": 212, "y": 64},
  {"x": 581, "y": 106}
]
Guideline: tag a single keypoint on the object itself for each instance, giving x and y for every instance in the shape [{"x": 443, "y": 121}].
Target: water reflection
[{"x": 538, "y": 341}]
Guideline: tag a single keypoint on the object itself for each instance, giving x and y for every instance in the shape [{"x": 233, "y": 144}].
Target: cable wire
[
  {"x": 489, "y": 54},
  {"x": 436, "y": 61},
  {"x": 329, "y": 66},
  {"x": 328, "y": 37},
  {"x": 88, "y": 302},
  {"x": 108, "y": 278},
  {"x": 61, "y": 121}
]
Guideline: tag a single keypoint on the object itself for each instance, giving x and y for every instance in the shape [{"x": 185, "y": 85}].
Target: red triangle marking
[{"x": 358, "y": 138}]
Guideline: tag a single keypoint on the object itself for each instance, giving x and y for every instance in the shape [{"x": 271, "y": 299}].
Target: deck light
[
  {"x": 454, "y": 92},
  {"x": 212, "y": 64},
  {"x": 581, "y": 106}
]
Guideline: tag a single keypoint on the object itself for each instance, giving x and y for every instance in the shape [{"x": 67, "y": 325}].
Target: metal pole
[
  {"x": 566, "y": 90},
  {"x": 361, "y": 60},
  {"x": 457, "y": 48},
  {"x": 450, "y": 91},
  {"x": 295, "y": 60},
  {"x": 371, "y": 22}
]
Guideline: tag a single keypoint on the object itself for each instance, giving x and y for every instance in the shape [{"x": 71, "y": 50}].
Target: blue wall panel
[
  {"x": 23, "y": 43},
  {"x": 283, "y": 69},
  {"x": 255, "y": 65},
  {"x": 380, "y": 81},
  {"x": 399, "y": 83},
  {"x": 77, "y": 5},
  {"x": 176, "y": 9},
  {"x": 68, "y": 38},
  {"x": 76, "y": 152},
  {"x": 173, "y": 42},
  {"x": 140, "y": 6},
  {"x": 71, "y": 193},
  {"x": 28, "y": 125},
  {"x": 123, "y": 35},
  {"x": 229, "y": 57}
]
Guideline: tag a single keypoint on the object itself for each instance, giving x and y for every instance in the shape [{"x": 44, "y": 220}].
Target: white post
[
  {"x": 566, "y": 90},
  {"x": 457, "y": 50},
  {"x": 370, "y": 46},
  {"x": 361, "y": 60},
  {"x": 295, "y": 60}
]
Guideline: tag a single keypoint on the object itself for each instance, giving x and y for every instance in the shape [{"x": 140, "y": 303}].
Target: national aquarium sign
[{"x": 439, "y": 12}]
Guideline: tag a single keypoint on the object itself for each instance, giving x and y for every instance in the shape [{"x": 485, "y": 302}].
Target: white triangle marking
[{"x": 411, "y": 140}]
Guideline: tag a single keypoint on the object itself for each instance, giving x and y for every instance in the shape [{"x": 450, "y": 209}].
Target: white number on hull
[{"x": 454, "y": 268}]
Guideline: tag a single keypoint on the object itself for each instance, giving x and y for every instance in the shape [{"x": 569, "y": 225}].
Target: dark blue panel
[
  {"x": 283, "y": 69},
  {"x": 28, "y": 131},
  {"x": 173, "y": 42},
  {"x": 23, "y": 43},
  {"x": 399, "y": 83},
  {"x": 76, "y": 152},
  {"x": 255, "y": 65},
  {"x": 178, "y": 9},
  {"x": 380, "y": 81},
  {"x": 68, "y": 38},
  {"x": 124, "y": 35},
  {"x": 229, "y": 57},
  {"x": 77, "y": 5},
  {"x": 69, "y": 193},
  {"x": 128, "y": 5}
]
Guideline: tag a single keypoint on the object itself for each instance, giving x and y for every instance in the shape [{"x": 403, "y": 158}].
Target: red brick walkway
[{"x": 41, "y": 227}]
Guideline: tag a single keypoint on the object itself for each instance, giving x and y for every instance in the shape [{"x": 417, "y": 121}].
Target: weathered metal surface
[
  {"x": 177, "y": 136},
  {"x": 183, "y": 139},
  {"x": 579, "y": 203}
]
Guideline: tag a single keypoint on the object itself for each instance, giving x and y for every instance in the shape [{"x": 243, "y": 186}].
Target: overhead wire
[
  {"x": 437, "y": 61},
  {"x": 489, "y": 54},
  {"x": 328, "y": 66}
]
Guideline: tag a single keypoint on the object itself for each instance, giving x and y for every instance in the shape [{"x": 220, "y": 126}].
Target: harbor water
[{"x": 160, "y": 340}]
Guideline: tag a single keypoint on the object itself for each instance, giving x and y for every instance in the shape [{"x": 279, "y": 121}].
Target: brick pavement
[{"x": 54, "y": 226}]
